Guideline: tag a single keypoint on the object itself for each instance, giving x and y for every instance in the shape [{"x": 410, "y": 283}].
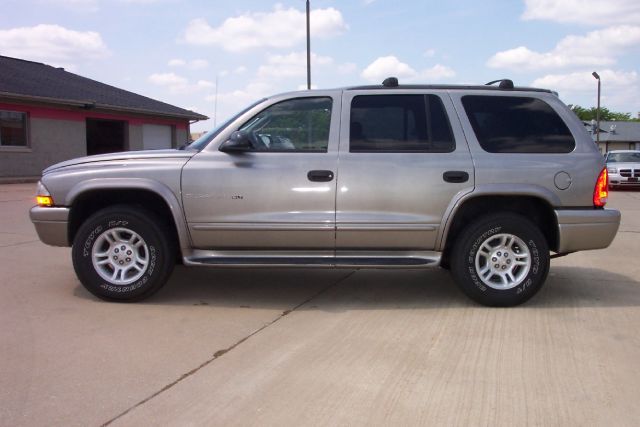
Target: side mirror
[{"x": 238, "y": 143}]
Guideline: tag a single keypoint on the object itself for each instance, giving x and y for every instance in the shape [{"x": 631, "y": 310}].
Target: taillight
[{"x": 601, "y": 190}]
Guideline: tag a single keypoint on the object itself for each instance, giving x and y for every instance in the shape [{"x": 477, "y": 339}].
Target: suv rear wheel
[
  {"x": 123, "y": 254},
  {"x": 500, "y": 260}
]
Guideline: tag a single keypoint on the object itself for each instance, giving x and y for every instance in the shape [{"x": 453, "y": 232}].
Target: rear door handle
[
  {"x": 320, "y": 176},
  {"x": 455, "y": 176}
]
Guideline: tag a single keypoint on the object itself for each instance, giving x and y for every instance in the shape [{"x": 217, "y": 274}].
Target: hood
[
  {"x": 624, "y": 165},
  {"x": 123, "y": 155}
]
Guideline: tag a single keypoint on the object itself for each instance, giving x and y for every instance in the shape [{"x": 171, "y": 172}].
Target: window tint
[
  {"x": 300, "y": 124},
  {"x": 13, "y": 129},
  {"x": 399, "y": 123},
  {"x": 505, "y": 124}
]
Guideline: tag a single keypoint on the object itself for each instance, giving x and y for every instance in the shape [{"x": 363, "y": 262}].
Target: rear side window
[
  {"x": 399, "y": 123},
  {"x": 505, "y": 124}
]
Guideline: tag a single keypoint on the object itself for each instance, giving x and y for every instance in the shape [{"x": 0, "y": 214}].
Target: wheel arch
[
  {"x": 534, "y": 206},
  {"x": 90, "y": 196}
]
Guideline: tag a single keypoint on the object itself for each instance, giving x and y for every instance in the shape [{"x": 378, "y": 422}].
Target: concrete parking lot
[{"x": 317, "y": 347}]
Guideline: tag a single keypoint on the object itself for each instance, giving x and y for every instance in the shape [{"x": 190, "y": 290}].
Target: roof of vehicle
[
  {"x": 449, "y": 87},
  {"x": 33, "y": 81},
  {"x": 624, "y": 151}
]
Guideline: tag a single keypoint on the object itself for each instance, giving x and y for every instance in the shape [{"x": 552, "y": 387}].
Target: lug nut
[
  {"x": 499, "y": 253},
  {"x": 128, "y": 259},
  {"x": 122, "y": 247},
  {"x": 504, "y": 267},
  {"x": 494, "y": 259},
  {"x": 506, "y": 255},
  {"x": 128, "y": 252},
  {"x": 116, "y": 250},
  {"x": 115, "y": 257},
  {"x": 508, "y": 261},
  {"x": 121, "y": 262},
  {"x": 497, "y": 266}
]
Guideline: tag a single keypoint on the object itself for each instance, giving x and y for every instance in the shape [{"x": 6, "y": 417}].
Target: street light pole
[
  {"x": 597, "y": 77},
  {"x": 308, "y": 49}
]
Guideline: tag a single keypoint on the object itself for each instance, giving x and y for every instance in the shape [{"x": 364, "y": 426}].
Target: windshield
[
  {"x": 202, "y": 142},
  {"x": 624, "y": 157}
]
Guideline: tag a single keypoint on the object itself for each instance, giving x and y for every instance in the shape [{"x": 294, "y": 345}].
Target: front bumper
[
  {"x": 618, "y": 180},
  {"x": 52, "y": 224},
  {"x": 583, "y": 229}
]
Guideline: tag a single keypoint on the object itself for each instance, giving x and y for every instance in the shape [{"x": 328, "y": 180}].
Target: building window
[{"x": 13, "y": 129}]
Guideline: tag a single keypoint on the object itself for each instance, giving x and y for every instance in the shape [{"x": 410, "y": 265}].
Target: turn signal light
[
  {"x": 601, "y": 190},
  {"x": 44, "y": 201}
]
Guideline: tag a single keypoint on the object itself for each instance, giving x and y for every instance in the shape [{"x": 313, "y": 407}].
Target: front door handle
[
  {"x": 455, "y": 176},
  {"x": 320, "y": 176}
]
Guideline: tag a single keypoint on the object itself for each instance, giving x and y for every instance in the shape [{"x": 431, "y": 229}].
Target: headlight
[
  {"x": 612, "y": 170},
  {"x": 43, "y": 197}
]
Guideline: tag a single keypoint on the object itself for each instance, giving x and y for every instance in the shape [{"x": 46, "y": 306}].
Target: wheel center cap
[
  {"x": 121, "y": 254},
  {"x": 501, "y": 259}
]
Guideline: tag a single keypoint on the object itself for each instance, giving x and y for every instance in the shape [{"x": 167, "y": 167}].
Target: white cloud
[
  {"x": 437, "y": 72},
  {"x": 584, "y": 81},
  {"x": 281, "y": 28},
  {"x": 178, "y": 84},
  {"x": 390, "y": 66},
  {"x": 620, "y": 89},
  {"x": 429, "y": 53},
  {"x": 167, "y": 79},
  {"x": 387, "y": 66},
  {"x": 195, "y": 64},
  {"x": 592, "y": 12},
  {"x": 52, "y": 44},
  {"x": 240, "y": 69},
  {"x": 596, "y": 48},
  {"x": 177, "y": 63},
  {"x": 293, "y": 64}
]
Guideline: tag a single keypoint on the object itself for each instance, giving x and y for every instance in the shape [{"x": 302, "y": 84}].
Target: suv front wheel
[
  {"x": 123, "y": 254},
  {"x": 500, "y": 260}
]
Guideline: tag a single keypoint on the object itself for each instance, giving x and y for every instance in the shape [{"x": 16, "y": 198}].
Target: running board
[{"x": 377, "y": 260}]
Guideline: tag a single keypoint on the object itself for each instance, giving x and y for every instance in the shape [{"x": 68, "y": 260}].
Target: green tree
[{"x": 588, "y": 114}]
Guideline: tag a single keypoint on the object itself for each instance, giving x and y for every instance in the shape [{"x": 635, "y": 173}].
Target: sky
[{"x": 176, "y": 50}]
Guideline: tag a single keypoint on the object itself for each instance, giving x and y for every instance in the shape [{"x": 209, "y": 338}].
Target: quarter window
[
  {"x": 13, "y": 129},
  {"x": 506, "y": 124},
  {"x": 300, "y": 124},
  {"x": 399, "y": 123}
]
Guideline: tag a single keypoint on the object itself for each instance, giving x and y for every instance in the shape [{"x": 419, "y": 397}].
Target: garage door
[{"x": 156, "y": 137}]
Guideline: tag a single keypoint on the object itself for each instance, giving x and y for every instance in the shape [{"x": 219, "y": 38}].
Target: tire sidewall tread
[
  {"x": 469, "y": 241},
  {"x": 149, "y": 227}
]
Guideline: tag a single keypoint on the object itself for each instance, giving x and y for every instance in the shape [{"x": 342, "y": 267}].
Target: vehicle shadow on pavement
[{"x": 339, "y": 290}]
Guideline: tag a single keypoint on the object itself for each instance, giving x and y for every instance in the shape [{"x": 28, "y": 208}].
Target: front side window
[
  {"x": 399, "y": 123},
  {"x": 506, "y": 124},
  {"x": 300, "y": 124},
  {"x": 13, "y": 129}
]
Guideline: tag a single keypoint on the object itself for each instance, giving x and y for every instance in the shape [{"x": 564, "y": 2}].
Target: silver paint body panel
[{"x": 378, "y": 205}]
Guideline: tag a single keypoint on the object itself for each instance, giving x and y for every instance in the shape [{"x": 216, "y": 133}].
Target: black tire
[
  {"x": 490, "y": 230},
  {"x": 154, "y": 258}
]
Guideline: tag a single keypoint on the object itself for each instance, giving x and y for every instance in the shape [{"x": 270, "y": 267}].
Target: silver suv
[{"x": 487, "y": 181}]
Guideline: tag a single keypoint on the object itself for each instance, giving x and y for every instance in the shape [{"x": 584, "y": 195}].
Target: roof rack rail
[
  {"x": 390, "y": 82},
  {"x": 504, "y": 83}
]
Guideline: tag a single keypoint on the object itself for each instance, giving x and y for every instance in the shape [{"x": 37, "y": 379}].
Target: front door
[
  {"x": 278, "y": 195},
  {"x": 402, "y": 161}
]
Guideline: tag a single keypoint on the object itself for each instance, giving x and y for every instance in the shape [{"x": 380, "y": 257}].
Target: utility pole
[
  {"x": 606, "y": 150},
  {"x": 308, "y": 48}
]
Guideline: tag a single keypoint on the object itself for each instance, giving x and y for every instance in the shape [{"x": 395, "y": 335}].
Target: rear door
[{"x": 403, "y": 159}]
